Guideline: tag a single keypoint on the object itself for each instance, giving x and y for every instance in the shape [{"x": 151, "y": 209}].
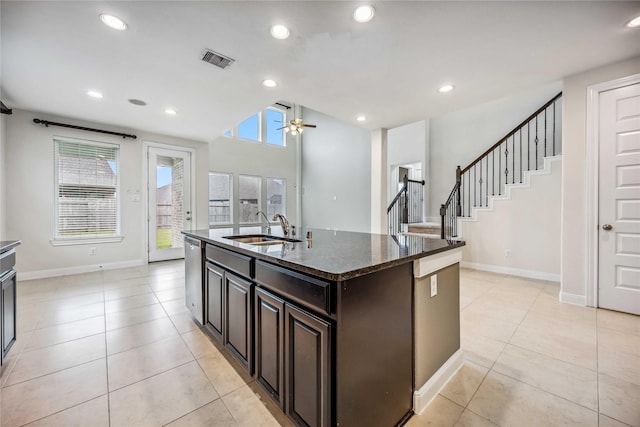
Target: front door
[
  {"x": 619, "y": 200},
  {"x": 170, "y": 206}
]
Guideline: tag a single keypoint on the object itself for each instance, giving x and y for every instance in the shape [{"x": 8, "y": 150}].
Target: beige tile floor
[{"x": 118, "y": 348}]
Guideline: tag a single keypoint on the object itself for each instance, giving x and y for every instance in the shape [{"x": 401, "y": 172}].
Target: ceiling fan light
[
  {"x": 286, "y": 129},
  {"x": 300, "y": 130},
  {"x": 294, "y": 132}
]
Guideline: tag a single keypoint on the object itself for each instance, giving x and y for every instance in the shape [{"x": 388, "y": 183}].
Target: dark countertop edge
[
  {"x": 320, "y": 273},
  {"x": 7, "y": 245}
]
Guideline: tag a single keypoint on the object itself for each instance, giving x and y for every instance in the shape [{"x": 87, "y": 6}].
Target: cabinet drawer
[
  {"x": 241, "y": 264},
  {"x": 305, "y": 290}
]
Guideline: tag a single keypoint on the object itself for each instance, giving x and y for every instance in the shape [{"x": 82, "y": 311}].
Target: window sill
[{"x": 86, "y": 241}]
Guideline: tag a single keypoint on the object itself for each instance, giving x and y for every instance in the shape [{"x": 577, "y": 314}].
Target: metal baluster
[
  {"x": 520, "y": 155},
  {"x": 499, "y": 169},
  {"x": 493, "y": 169},
  {"x": 480, "y": 183},
  {"x": 545, "y": 132},
  {"x": 468, "y": 193},
  {"x": 536, "y": 142},
  {"x": 513, "y": 158},
  {"x": 528, "y": 147},
  {"x": 554, "y": 128},
  {"x": 506, "y": 164},
  {"x": 474, "y": 186},
  {"x": 487, "y": 184}
]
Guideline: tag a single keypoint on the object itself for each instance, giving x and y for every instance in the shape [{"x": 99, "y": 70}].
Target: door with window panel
[{"x": 170, "y": 204}]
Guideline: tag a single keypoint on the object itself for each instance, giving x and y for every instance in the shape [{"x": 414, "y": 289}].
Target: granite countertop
[
  {"x": 7, "y": 245},
  {"x": 333, "y": 255}
]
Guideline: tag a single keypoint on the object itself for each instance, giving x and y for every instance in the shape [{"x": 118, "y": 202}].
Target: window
[
  {"x": 250, "y": 128},
  {"x": 275, "y": 122},
  {"x": 276, "y": 200},
  {"x": 86, "y": 190},
  {"x": 220, "y": 193},
  {"x": 227, "y": 132},
  {"x": 248, "y": 199}
]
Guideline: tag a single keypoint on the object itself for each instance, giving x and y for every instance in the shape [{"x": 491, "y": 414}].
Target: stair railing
[
  {"x": 521, "y": 150},
  {"x": 406, "y": 207}
]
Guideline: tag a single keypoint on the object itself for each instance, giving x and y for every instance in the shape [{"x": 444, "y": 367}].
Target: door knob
[{"x": 607, "y": 227}]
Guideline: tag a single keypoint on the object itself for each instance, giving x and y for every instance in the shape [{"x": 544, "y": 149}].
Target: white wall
[
  {"x": 528, "y": 225},
  {"x": 243, "y": 157},
  {"x": 574, "y": 207},
  {"x": 29, "y": 196},
  {"x": 458, "y": 138},
  {"x": 336, "y": 174},
  {"x": 409, "y": 144}
]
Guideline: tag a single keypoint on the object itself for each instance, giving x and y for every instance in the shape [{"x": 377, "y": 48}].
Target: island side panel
[
  {"x": 437, "y": 321},
  {"x": 374, "y": 350}
]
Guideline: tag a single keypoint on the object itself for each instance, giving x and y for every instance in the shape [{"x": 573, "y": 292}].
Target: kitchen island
[
  {"x": 343, "y": 328},
  {"x": 8, "y": 293}
]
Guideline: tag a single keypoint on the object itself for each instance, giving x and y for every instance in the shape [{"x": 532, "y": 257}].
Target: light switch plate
[{"x": 434, "y": 285}]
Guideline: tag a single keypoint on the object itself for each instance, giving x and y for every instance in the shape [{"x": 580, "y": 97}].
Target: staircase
[
  {"x": 505, "y": 165},
  {"x": 406, "y": 207}
]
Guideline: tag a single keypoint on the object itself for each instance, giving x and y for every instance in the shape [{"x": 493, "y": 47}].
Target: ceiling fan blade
[
  {"x": 307, "y": 126},
  {"x": 281, "y": 128}
]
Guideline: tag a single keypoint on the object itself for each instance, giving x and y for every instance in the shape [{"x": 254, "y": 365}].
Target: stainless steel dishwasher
[{"x": 194, "y": 287}]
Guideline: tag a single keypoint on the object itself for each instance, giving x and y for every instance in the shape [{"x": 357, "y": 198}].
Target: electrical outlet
[
  {"x": 93, "y": 251},
  {"x": 434, "y": 285},
  {"x": 507, "y": 253}
]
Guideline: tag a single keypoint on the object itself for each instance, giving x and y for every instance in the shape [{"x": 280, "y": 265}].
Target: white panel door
[
  {"x": 170, "y": 205},
  {"x": 619, "y": 200}
]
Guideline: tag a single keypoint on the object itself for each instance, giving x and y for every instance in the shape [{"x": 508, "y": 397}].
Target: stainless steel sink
[{"x": 260, "y": 239}]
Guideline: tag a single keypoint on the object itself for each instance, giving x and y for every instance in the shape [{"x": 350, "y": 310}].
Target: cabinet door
[
  {"x": 269, "y": 345},
  {"x": 307, "y": 368},
  {"x": 238, "y": 328},
  {"x": 8, "y": 299},
  {"x": 214, "y": 283}
]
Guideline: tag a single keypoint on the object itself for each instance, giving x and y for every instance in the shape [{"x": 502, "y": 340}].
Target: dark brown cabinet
[
  {"x": 307, "y": 368},
  {"x": 229, "y": 302},
  {"x": 8, "y": 311},
  {"x": 269, "y": 346},
  {"x": 238, "y": 327},
  {"x": 214, "y": 285},
  {"x": 293, "y": 359}
]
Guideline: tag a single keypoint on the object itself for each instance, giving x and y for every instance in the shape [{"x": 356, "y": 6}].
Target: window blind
[{"x": 86, "y": 190}]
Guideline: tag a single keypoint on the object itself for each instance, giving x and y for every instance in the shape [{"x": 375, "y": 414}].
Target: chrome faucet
[
  {"x": 283, "y": 223},
  {"x": 266, "y": 219}
]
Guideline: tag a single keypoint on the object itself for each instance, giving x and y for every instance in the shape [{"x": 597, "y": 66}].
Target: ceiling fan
[{"x": 296, "y": 126}]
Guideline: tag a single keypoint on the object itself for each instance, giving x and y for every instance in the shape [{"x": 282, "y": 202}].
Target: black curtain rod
[{"x": 64, "y": 125}]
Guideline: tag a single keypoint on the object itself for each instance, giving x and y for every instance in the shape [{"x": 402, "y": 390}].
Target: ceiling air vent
[{"x": 216, "y": 59}]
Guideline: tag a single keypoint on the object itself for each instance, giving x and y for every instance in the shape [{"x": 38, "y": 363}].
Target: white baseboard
[
  {"x": 431, "y": 388},
  {"x": 573, "y": 299},
  {"x": 42, "y": 274},
  {"x": 531, "y": 274}
]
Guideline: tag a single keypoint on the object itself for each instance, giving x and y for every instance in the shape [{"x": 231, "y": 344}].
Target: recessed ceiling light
[
  {"x": 269, "y": 83},
  {"x": 138, "y": 102},
  {"x": 113, "y": 22},
  {"x": 280, "y": 32},
  {"x": 446, "y": 88},
  {"x": 94, "y": 94},
  {"x": 171, "y": 111},
  {"x": 363, "y": 13},
  {"x": 361, "y": 118},
  {"x": 635, "y": 22}
]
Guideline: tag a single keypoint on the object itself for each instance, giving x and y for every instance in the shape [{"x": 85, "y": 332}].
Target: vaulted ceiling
[{"x": 388, "y": 69}]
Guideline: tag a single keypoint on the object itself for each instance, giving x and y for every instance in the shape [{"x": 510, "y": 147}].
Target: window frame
[
  {"x": 236, "y": 129},
  {"x": 264, "y": 130},
  {"x": 58, "y": 239},
  {"x": 284, "y": 195},
  {"x": 259, "y": 180},
  {"x": 231, "y": 200}
]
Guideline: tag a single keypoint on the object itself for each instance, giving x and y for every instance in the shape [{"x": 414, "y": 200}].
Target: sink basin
[{"x": 260, "y": 239}]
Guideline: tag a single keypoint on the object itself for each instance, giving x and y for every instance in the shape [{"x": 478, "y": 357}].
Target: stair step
[{"x": 425, "y": 228}]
